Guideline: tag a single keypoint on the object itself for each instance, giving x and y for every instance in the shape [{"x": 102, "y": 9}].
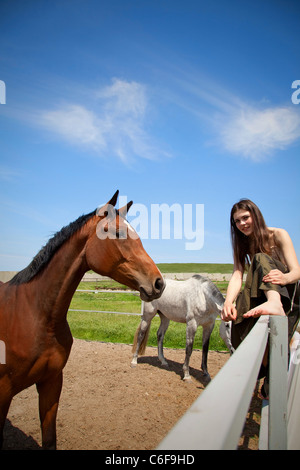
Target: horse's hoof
[
  {"x": 188, "y": 380},
  {"x": 133, "y": 364},
  {"x": 206, "y": 376}
]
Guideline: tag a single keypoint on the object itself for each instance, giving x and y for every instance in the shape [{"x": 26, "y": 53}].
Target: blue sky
[{"x": 174, "y": 102}]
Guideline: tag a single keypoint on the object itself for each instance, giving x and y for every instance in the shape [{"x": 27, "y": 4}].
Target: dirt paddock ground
[{"x": 105, "y": 404}]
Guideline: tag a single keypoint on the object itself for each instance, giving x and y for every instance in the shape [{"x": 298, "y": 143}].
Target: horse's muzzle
[{"x": 148, "y": 294}]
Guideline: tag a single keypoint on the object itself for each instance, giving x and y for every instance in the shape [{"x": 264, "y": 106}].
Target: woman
[{"x": 271, "y": 286}]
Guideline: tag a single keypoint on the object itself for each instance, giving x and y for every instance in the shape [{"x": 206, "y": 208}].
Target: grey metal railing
[{"x": 217, "y": 417}]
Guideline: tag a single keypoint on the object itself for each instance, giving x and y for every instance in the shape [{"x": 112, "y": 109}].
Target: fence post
[
  {"x": 293, "y": 419},
  {"x": 278, "y": 383}
]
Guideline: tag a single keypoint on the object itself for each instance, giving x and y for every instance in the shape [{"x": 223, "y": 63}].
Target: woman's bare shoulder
[{"x": 280, "y": 235}]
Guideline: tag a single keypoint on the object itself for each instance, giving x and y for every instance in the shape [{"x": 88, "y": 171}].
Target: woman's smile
[{"x": 243, "y": 221}]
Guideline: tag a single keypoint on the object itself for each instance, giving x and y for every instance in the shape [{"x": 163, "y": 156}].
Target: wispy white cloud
[
  {"x": 115, "y": 120},
  {"x": 256, "y": 134},
  {"x": 238, "y": 127},
  {"x": 112, "y": 124},
  {"x": 76, "y": 124},
  {"x": 124, "y": 99}
]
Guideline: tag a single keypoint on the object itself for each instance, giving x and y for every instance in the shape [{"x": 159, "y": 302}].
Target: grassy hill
[{"x": 195, "y": 268}]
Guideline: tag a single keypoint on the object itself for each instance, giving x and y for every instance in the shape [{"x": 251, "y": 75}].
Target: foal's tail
[{"x": 143, "y": 344}]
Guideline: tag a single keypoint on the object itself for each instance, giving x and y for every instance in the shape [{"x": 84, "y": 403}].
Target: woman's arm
[
  {"x": 285, "y": 244},
  {"x": 229, "y": 311}
]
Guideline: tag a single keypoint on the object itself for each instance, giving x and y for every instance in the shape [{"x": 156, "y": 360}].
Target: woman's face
[{"x": 243, "y": 221}]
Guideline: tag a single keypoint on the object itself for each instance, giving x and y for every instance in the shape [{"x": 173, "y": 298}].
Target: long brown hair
[{"x": 245, "y": 247}]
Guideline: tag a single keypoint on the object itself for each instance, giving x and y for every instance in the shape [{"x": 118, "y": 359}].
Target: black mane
[{"x": 46, "y": 253}]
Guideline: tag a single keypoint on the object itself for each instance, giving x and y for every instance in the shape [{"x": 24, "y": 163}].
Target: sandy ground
[{"x": 106, "y": 404}]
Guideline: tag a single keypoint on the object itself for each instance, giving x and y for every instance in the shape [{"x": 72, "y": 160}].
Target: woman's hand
[
  {"x": 275, "y": 276},
  {"x": 229, "y": 311}
]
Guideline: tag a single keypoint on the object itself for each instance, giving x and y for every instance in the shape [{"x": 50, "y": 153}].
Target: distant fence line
[
  {"x": 179, "y": 276},
  {"x": 6, "y": 276},
  {"x": 113, "y": 291}
]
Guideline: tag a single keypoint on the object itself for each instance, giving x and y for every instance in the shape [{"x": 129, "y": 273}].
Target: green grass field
[{"x": 114, "y": 328}]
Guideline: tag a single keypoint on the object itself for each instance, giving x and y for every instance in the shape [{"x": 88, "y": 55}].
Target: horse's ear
[
  {"x": 123, "y": 211},
  {"x": 113, "y": 200},
  {"x": 107, "y": 209}
]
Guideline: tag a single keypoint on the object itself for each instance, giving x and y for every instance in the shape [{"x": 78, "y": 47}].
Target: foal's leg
[
  {"x": 49, "y": 393},
  {"x": 164, "y": 323},
  {"x": 207, "y": 331},
  {"x": 191, "y": 328}
]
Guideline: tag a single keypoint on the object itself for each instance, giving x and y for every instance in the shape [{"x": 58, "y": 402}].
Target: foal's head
[{"x": 114, "y": 249}]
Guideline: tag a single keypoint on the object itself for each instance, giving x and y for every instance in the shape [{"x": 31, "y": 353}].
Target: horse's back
[
  {"x": 196, "y": 296},
  {"x": 179, "y": 299},
  {"x": 213, "y": 294},
  {"x": 175, "y": 290}
]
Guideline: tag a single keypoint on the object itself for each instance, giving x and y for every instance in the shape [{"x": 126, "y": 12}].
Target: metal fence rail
[
  {"x": 216, "y": 419},
  {"x": 113, "y": 291},
  {"x": 104, "y": 311}
]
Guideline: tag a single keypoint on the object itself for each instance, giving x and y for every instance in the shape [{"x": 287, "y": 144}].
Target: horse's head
[{"x": 114, "y": 249}]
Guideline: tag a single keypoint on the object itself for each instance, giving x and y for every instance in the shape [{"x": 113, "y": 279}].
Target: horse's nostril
[{"x": 159, "y": 284}]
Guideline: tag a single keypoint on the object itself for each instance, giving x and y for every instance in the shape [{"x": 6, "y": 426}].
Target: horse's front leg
[
  {"x": 49, "y": 393},
  {"x": 191, "y": 328},
  {"x": 207, "y": 331},
  {"x": 4, "y": 407},
  {"x": 164, "y": 323}
]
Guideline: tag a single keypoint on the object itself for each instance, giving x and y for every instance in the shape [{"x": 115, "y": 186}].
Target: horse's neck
[{"x": 57, "y": 283}]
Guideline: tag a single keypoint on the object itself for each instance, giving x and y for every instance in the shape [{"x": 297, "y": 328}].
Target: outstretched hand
[{"x": 229, "y": 312}]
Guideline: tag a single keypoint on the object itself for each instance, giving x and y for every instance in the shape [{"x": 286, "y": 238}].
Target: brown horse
[{"x": 34, "y": 304}]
